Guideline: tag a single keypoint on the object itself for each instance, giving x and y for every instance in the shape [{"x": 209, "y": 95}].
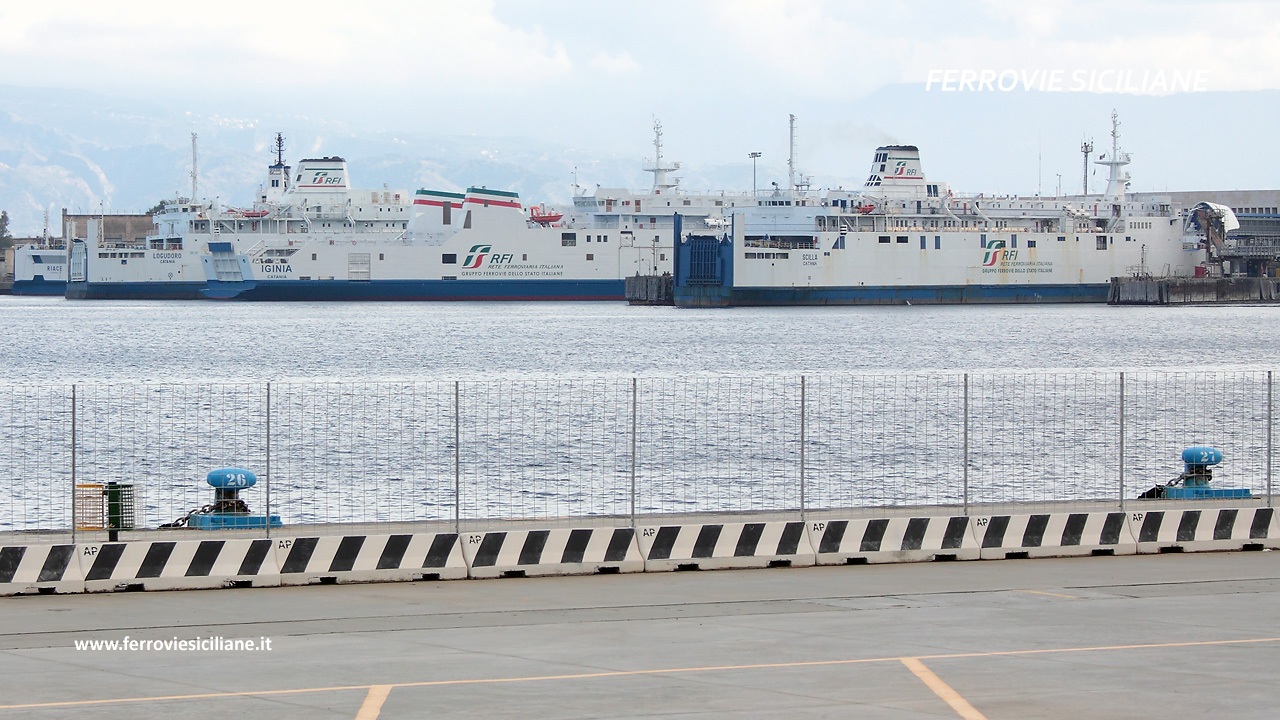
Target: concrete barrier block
[
  {"x": 725, "y": 545},
  {"x": 1204, "y": 529},
  {"x": 28, "y": 569},
  {"x": 528, "y": 553},
  {"x": 896, "y": 539},
  {"x": 180, "y": 564},
  {"x": 1053, "y": 535},
  {"x": 369, "y": 558}
]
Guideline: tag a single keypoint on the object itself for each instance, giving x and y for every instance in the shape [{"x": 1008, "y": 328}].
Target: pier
[
  {"x": 1123, "y": 637},
  {"x": 1192, "y": 291},
  {"x": 650, "y": 289}
]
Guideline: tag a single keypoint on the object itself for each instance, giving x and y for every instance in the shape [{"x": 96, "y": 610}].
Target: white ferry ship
[
  {"x": 39, "y": 269},
  {"x": 169, "y": 263},
  {"x": 308, "y": 236},
  {"x": 482, "y": 244},
  {"x": 904, "y": 239}
]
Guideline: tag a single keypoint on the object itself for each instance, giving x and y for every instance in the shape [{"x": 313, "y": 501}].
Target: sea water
[{"x": 52, "y": 340}]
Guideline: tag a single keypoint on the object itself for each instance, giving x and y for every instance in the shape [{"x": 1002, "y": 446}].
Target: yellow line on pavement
[
  {"x": 372, "y": 706},
  {"x": 653, "y": 671},
  {"x": 943, "y": 690}
]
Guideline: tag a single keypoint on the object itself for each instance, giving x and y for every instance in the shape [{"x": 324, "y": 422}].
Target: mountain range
[{"x": 90, "y": 152}]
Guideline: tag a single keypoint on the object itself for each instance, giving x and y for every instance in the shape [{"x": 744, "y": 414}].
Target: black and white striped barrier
[
  {"x": 39, "y": 568},
  {"x": 528, "y": 553},
  {"x": 725, "y": 545},
  {"x": 243, "y": 562},
  {"x": 1053, "y": 535},
  {"x": 887, "y": 540},
  {"x": 190, "y": 564},
  {"x": 1209, "y": 529},
  {"x": 369, "y": 558}
]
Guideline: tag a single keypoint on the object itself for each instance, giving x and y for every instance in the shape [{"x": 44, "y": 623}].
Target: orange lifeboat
[{"x": 539, "y": 214}]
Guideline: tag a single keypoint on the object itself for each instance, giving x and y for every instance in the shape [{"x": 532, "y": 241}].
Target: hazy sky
[{"x": 722, "y": 75}]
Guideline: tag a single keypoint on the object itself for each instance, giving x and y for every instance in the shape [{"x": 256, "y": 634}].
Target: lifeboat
[
  {"x": 539, "y": 214},
  {"x": 864, "y": 209},
  {"x": 254, "y": 213}
]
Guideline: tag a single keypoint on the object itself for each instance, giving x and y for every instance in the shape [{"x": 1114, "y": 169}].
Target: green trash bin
[{"x": 121, "y": 509}]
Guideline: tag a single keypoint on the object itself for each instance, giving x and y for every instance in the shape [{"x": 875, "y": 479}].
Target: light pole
[
  {"x": 753, "y": 157},
  {"x": 1059, "y": 184}
]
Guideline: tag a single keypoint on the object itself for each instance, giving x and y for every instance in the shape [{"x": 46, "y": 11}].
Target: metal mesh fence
[
  {"x": 35, "y": 440},
  {"x": 565, "y": 449},
  {"x": 362, "y": 452},
  {"x": 1166, "y": 412},
  {"x": 543, "y": 449},
  {"x": 718, "y": 444},
  {"x": 1043, "y": 438},
  {"x": 162, "y": 439},
  {"x": 884, "y": 440}
]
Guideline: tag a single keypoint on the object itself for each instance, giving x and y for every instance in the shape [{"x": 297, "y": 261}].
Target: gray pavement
[{"x": 1168, "y": 636}]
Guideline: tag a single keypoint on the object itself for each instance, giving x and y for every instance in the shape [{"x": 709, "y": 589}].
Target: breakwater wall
[{"x": 1191, "y": 291}]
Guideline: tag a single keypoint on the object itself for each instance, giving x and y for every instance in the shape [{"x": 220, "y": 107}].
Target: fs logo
[
  {"x": 479, "y": 252},
  {"x": 900, "y": 168},
  {"x": 476, "y": 256},
  {"x": 996, "y": 252},
  {"x": 322, "y": 177}
]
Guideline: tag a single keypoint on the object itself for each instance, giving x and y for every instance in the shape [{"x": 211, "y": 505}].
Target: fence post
[
  {"x": 73, "y": 464},
  {"x": 457, "y": 463},
  {"x": 803, "y": 406},
  {"x": 633, "y": 452},
  {"x": 1122, "y": 441},
  {"x": 268, "y": 460},
  {"x": 966, "y": 444},
  {"x": 1269, "y": 414}
]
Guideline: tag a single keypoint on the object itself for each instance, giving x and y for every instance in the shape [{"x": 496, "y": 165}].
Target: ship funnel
[
  {"x": 321, "y": 174},
  {"x": 436, "y": 210},
  {"x": 896, "y": 171}
]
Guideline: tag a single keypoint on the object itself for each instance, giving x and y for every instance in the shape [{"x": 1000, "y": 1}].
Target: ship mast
[
  {"x": 1119, "y": 179},
  {"x": 1086, "y": 148},
  {"x": 660, "y": 182},
  {"x": 791, "y": 154},
  {"x": 795, "y": 180},
  {"x": 194, "y": 173}
]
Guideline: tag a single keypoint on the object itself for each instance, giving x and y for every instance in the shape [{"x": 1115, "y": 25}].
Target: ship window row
[
  {"x": 764, "y": 255},
  {"x": 106, "y": 255},
  {"x": 599, "y": 238},
  {"x": 1257, "y": 211}
]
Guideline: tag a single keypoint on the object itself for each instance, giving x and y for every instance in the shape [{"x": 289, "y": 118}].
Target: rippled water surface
[{"x": 47, "y": 339}]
